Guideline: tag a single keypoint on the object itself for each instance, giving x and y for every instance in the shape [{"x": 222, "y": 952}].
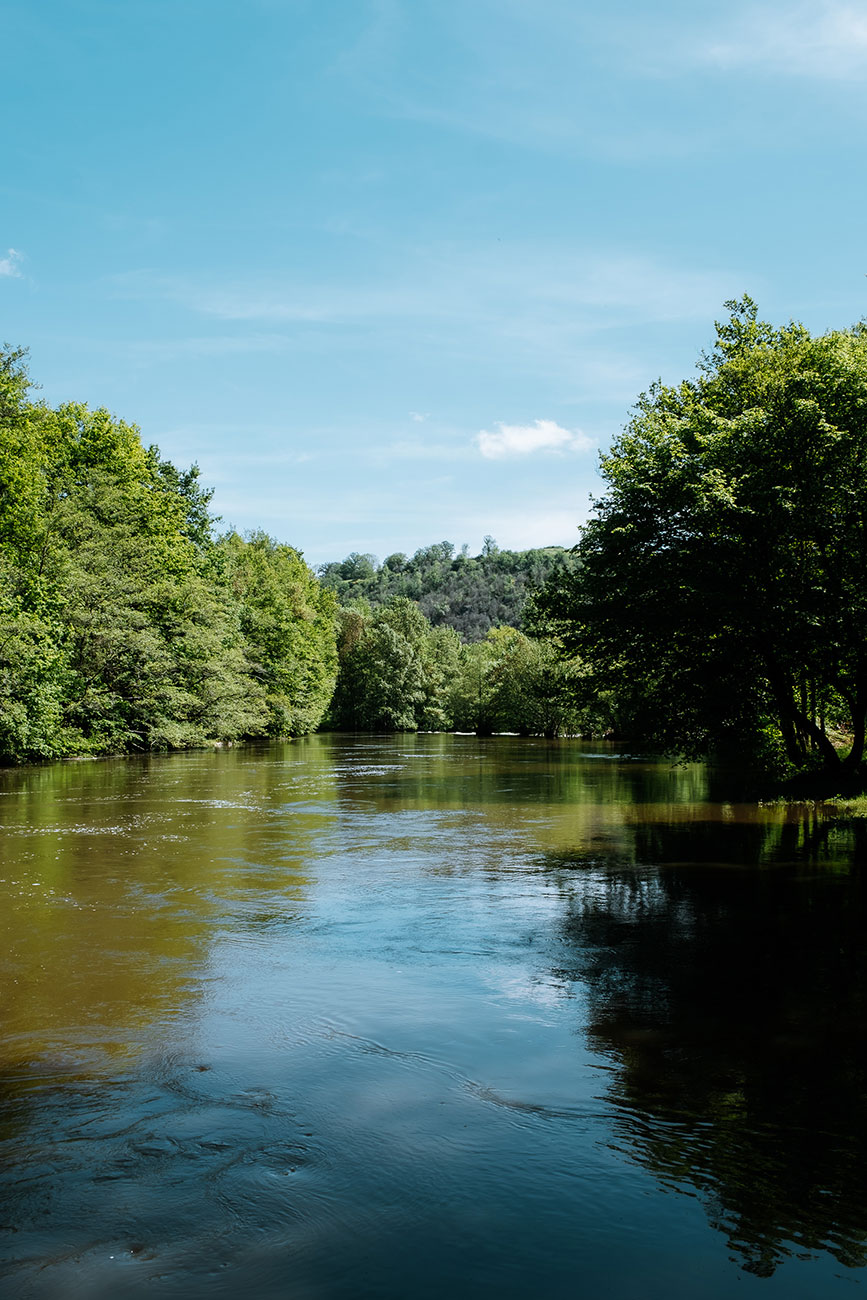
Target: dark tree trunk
[
  {"x": 797, "y": 726},
  {"x": 859, "y": 724},
  {"x": 830, "y": 757}
]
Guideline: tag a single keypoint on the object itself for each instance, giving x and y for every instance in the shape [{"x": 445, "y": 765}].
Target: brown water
[{"x": 420, "y": 1015}]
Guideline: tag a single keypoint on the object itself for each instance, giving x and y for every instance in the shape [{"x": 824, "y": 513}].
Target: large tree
[{"x": 722, "y": 586}]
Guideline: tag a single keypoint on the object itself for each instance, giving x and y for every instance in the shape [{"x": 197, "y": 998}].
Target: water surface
[{"x": 419, "y": 1015}]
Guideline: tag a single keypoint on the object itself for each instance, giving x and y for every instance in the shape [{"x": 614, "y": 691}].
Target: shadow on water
[{"x": 727, "y": 980}]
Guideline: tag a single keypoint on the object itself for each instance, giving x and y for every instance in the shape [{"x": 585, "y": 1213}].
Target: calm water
[{"x": 424, "y": 1016}]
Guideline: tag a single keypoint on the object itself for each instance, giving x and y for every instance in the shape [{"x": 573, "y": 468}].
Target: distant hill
[{"x": 469, "y": 593}]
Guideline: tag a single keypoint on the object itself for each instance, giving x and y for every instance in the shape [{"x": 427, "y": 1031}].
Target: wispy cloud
[
  {"x": 10, "y": 265},
  {"x": 148, "y": 351},
  {"x": 248, "y": 299},
  {"x": 820, "y": 39},
  {"x": 509, "y": 287},
  {"x": 550, "y": 76},
  {"x": 532, "y": 75},
  {"x": 441, "y": 447},
  {"x": 558, "y": 310},
  {"x": 528, "y": 439}
]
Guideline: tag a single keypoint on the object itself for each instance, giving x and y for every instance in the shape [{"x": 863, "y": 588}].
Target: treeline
[
  {"x": 128, "y": 623},
  {"x": 125, "y": 623},
  {"x": 398, "y": 673},
  {"x": 716, "y": 602},
  {"x": 471, "y": 594}
]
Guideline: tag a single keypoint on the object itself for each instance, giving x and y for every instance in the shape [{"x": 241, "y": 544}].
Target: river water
[{"x": 426, "y": 1015}]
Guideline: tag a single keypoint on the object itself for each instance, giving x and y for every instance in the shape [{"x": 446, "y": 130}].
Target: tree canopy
[
  {"x": 125, "y": 624},
  {"x": 471, "y": 594},
  {"x": 397, "y": 673},
  {"x": 720, "y": 592}
]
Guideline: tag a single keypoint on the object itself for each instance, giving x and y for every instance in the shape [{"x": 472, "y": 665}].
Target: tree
[
  {"x": 381, "y": 680},
  {"x": 287, "y": 619},
  {"x": 357, "y": 568},
  {"x": 721, "y": 584},
  {"x": 474, "y": 695},
  {"x": 471, "y": 595},
  {"x": 441, "y": 665},
  {"x": 510, "y": 682},
  {"x": 123, "y": 626},
  {"x": 396, "y": 673}
]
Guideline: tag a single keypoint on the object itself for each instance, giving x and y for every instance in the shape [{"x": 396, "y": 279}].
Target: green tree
[
  {"x": 721, "y": 582},
  {"x": 122, "y": 625},
  {"x": 395, "y": 671},
  {"x": 381, "y": 683},
  {"x": 151, "y": 646},
  {"x": 441, "y": 666},
  {"x": 452, "y": 590},
  {"x": 473, "y": 703},
  {"x": 288, "y": 622},
  {"x": 512, "y": 682}
]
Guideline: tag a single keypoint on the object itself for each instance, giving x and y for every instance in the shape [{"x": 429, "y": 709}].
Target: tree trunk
[
  {"x": 797, "y": 726},
  {"x": 859, "y": 724}
]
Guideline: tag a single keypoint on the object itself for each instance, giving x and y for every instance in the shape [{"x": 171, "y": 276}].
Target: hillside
[{"x": 472, "y": 594}]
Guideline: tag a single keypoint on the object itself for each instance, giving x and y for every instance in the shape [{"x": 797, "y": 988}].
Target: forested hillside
[
  {"x": 125, "y": 622},
  {"x": 471, "y": 594}
]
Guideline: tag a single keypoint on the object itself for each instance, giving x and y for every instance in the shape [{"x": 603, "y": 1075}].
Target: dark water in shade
[{"x": 426, "y": 1016}]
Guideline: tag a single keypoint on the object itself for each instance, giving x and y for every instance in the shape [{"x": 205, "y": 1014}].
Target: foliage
[
  {"x": 123, "y": 626},
  {"x": 720, "y": 592},
  {"x": 287, "y": 620},
  {"x": 382, "y": 683},
  {"x": 397, "y": 673},
  {"x": 470, "y": 594},
  {"x": 510, "y": 682}
]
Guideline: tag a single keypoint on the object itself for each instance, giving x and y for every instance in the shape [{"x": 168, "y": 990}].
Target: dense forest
[
  {"x": 471, "y": 594},
  {"x": 129, "y": 623},
  {"x": 716, "y": 603},
  {"x": 126, "y": 623},
  {"x": 397, "y": 673}
]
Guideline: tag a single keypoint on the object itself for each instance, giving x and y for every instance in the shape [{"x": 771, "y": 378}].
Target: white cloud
[
  {"x": 526, "y": 439},
  {"x": 10, "y": 265}
]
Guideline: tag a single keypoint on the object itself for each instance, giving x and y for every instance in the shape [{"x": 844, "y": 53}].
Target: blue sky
[{"x": 394, "y": 271}]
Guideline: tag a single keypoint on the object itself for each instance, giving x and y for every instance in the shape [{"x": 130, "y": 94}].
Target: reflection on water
[
  {"x": 114, "y": 876},
  {"x": 390, "y": 1016},
  {"x": 732, "y": 1009}
]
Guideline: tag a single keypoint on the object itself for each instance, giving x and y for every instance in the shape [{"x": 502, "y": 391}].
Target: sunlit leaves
[
  {"x": 123, "y": 626},
  {"x": 722, "y": 580}
]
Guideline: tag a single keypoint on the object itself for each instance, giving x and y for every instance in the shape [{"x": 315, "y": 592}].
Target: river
[{"x": 419, "y": 1016}]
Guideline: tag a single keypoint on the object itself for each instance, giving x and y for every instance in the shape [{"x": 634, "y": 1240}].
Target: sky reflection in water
[{"x": 362, "y": 1016}]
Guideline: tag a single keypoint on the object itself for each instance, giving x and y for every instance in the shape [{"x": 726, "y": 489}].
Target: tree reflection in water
[{"x": 727, "y": 978}]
